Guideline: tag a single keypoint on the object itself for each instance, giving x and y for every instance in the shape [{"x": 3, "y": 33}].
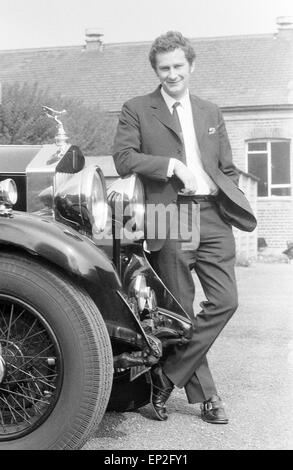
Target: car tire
[{"x": 57, "y": 367}]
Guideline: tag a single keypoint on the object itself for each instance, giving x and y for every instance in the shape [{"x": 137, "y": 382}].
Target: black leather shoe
[
  {"x": 212, "y": 411},
  {"x": 161, "y": 390}
]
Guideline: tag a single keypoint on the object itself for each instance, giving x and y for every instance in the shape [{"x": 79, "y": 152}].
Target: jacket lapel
[
  {"x": 199, "y": 118},
  {"x": 161, "y": 112}
]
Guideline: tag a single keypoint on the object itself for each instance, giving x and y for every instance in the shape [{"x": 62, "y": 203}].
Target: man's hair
[{"x": 169, "y": 42}]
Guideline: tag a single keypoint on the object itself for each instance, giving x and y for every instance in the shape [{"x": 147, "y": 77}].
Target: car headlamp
[
  {"x": 82, "y": 200},
  {"x": 8, "y": 192},
  {"x": 127, "y": 200}
]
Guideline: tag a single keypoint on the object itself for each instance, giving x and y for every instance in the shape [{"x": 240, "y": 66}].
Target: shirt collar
[{"x": 184, "y": 101}]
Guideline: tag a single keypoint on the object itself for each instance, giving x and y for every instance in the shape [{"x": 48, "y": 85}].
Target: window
[{"x": 270, "y": 162}]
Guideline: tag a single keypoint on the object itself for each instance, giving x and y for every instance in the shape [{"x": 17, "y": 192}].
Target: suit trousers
[{"x": 213, "y": 261}]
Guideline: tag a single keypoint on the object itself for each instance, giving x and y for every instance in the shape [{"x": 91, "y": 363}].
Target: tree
[{"x": 22, "y": 120}]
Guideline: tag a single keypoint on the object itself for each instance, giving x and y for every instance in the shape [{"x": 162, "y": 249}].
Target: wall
[
  {"x": 275, "y": 214},
  {"x": 246, "y": 242},
  {"x": 275, "y": 220}
]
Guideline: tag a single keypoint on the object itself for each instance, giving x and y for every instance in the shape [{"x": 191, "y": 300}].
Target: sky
[{"x": 53, "y": 23}]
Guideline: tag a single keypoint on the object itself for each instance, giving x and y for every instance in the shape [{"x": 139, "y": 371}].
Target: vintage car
[{"x": 83, "y": 315}]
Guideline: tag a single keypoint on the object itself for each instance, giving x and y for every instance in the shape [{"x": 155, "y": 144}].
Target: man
[{"x": 182, "y": 153}]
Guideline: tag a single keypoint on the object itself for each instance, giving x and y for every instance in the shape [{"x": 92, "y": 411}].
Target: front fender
[{"x": 80, "y": 258}]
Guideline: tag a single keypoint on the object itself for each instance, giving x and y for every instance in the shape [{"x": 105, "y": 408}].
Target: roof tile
[{"x": 231, "y": 71}]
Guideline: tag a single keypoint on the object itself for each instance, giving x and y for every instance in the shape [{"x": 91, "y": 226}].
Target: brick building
[
  {"x": 249, "y": 76},
  {"x": 262, "y": 144}
]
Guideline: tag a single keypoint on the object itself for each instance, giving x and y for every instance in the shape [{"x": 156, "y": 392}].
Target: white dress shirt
[{"x": 204, "y": 184}]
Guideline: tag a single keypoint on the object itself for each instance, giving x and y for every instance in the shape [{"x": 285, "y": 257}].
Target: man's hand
[{"x": 187, "y": 178}]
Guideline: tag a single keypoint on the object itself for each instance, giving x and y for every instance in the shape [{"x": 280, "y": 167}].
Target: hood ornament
[{"x": 61, "y": 137}]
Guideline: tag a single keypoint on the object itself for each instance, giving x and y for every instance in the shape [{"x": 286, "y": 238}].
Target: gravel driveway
[{"x": 252, "y": 363}]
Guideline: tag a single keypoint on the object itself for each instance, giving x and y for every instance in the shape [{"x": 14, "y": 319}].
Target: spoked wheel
[
  {"x": 56, "y": 364},
  {"x": 31, "y": 368}
]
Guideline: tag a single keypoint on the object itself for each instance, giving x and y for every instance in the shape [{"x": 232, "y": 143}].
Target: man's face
[{"x": 174, "y": 70}]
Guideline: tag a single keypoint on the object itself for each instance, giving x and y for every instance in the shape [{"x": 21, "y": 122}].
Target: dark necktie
[
  {"x": 176, "y": 117},
  {"x": 179, "y": 129}
]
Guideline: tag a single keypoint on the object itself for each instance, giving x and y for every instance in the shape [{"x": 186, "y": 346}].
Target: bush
[{"x": 22, "y": 120}]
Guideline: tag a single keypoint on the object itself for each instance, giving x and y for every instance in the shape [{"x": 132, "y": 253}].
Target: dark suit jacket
[{"x": 147, "y": 138}]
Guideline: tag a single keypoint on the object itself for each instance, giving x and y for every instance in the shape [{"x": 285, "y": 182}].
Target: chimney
[
  {"x": 285, "y": 27},
  {"x": 93, "y": 39}
]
